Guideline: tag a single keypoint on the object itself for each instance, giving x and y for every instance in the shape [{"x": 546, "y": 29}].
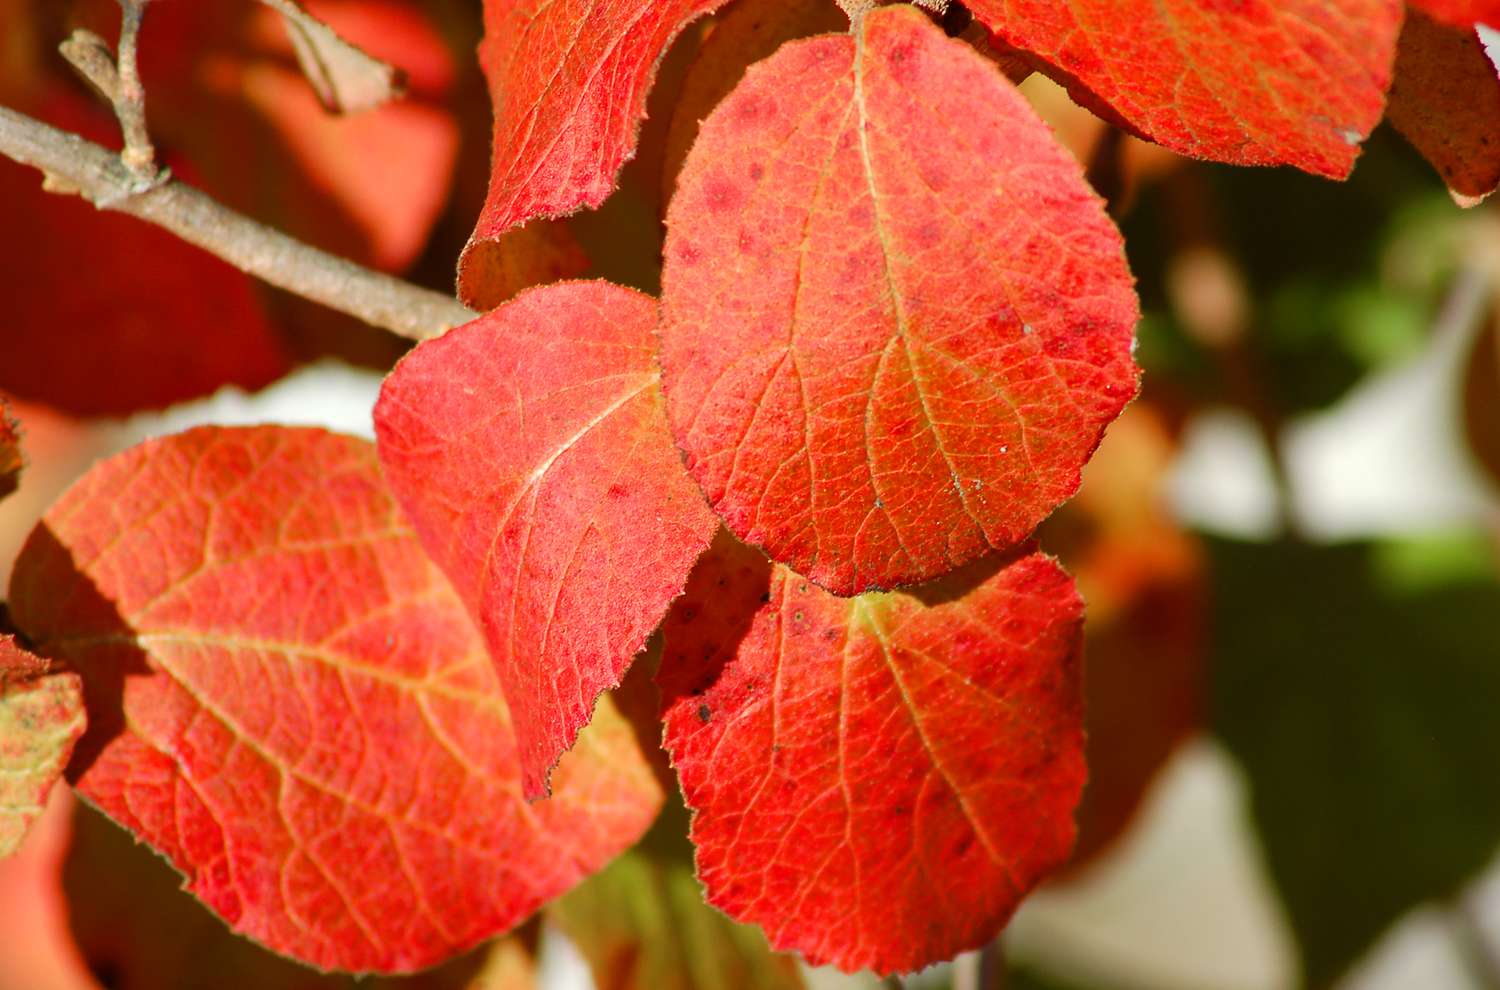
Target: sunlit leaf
[
  {"x": 895, "y": 318},
  {"x": 877, "y": 781},
  {"x": 746, "y": 32},
  {"x": 289, "y": 703},
  {"x": 530, "y": 449},
  {"x": 569, "y": 80},
  {"x": 137, "y": 929},
  {"x": 1256, "y": 82}
]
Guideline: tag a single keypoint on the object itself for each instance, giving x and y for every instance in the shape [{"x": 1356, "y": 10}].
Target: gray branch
[{"x": 74, "y": 165}]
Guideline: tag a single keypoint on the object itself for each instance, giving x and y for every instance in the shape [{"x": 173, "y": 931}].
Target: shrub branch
[
  {"x": 132, "y": 182},
  {"x": 100, "y": 176}
]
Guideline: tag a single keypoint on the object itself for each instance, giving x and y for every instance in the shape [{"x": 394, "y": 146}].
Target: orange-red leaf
[
  {"x": 569, "y": 80},
  {"x": 41, "y": 717},
  {"x": 748, "y": 31},
  {"x": 1250, "y": 82},
  {"x": 530, "y": 448},
  {"x": 895, "y": 318},
  {"x": 1446, "y": 102},
  {"x": 877, "y": 781},
  {"x": 1464, "y": 13},
  {"x": 289, "y": 702}
]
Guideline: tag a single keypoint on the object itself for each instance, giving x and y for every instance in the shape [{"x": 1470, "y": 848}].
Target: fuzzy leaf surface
[
  {"x": 895, "y": 318},
  {"x": 1446, "y": 101},
  {"x": 877, "y": 781},
  {"x": 530, "y": 448},
  {"x": 41, "y": 717},
  {"x": 289, "y": 702},
  {"x": 1252, "y": 82},
  {"x": 569, "y": 80}
]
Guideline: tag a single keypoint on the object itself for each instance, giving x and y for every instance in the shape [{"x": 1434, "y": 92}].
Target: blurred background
[{"x": 1288, "y": 544}]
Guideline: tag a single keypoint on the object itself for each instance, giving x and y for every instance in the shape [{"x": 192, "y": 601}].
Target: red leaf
[
  {"x": 290, "y": 704},
  {"x": 877, "y": 781},
  {"x": 41, "y": 717},
  {"x": 530, "y": 447},
  {"x": 1254, "y": 82},
  {"x": 1446, "y": 102},
  {"x": 569, "y": 81},
  {"x": 748, "y": 31},
  {"x": 1464, "y": 13},
  {"x": 895, "y": 318},
  {"x": 109, "y": 314},
  {"x": 133, "y": 924}
]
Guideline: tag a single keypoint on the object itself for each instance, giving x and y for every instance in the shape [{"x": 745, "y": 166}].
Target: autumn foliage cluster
[{"x": 381, "y": 702}]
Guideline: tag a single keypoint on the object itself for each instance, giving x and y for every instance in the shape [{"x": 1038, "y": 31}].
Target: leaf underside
[{"x": 1446, "y": 101}]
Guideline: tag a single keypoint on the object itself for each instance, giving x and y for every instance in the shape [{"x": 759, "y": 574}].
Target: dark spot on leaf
[{"x": 704, "y": 713}]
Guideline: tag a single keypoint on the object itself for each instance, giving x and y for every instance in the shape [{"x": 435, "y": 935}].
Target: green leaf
[
  {"x": 1356, "y": 684},
  {"x": 642, "y": 924}
]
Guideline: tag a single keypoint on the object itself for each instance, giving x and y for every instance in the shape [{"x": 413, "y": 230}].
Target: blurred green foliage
[{"x": 1356, "y": 685}]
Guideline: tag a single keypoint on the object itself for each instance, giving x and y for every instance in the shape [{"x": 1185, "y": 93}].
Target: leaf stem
[{"x": 102, "y": 178}]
